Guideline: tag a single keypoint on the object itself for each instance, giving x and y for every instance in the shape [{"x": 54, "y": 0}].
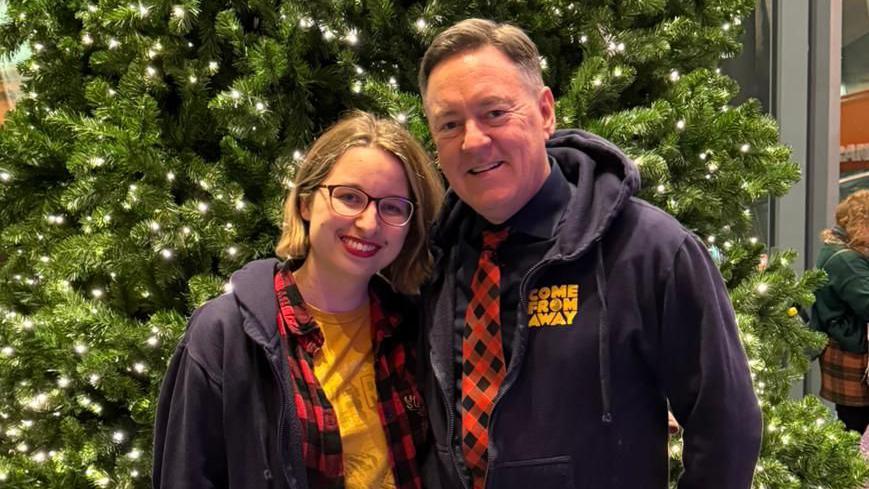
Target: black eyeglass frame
[{"x": 369, "y": 199}]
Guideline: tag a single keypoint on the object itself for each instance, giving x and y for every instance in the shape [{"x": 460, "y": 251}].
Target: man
[{"x": 564, "y": 313}]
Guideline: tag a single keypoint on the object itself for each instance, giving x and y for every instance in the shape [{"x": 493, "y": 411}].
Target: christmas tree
[{"x": 155, "y": 139}]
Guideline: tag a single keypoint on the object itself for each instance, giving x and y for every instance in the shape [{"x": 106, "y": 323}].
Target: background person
[{"x": 841, "y": 310}]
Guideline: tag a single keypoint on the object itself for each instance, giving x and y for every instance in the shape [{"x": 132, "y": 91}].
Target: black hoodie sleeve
[
  {"x": 706, "y": 376},
  {"x": 188, "y": 435}
]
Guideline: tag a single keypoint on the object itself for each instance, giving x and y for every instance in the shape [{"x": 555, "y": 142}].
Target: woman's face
[{"x": 355, "y": 248}]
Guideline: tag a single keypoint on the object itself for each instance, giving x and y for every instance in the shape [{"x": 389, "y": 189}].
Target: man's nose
[{"x": 475, "y": 136}]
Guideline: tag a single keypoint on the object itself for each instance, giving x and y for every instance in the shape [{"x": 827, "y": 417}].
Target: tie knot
[{"x": 492, "y": 239}]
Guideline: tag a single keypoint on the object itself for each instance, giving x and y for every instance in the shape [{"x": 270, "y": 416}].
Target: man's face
[{"x": 490, "y": 126}]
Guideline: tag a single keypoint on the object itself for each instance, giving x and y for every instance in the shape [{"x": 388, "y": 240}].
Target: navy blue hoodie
[{"x": 625, "y": 312}]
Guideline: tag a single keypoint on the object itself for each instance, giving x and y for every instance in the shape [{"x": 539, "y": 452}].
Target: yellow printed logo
[{"x": 553, "y": 306}]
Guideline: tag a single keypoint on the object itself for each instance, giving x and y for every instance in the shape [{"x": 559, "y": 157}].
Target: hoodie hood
[{"x": 603, "y": 180}]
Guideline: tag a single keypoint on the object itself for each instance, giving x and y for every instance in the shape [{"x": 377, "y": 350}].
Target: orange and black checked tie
[{"x": 482, "y": 357}]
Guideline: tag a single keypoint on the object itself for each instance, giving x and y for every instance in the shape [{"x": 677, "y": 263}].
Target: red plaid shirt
[{"x": 399, "y": 402}]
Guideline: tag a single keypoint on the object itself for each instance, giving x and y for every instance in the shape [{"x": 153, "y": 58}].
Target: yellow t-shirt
[{"x": 345, "y": 369}]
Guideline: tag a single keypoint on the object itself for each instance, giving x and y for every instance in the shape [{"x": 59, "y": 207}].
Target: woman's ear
[{"x": 305, "y": 207}]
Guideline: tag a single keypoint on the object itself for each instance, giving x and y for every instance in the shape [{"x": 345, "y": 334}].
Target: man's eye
[
  {"x": 449, "y": 126},
  {"x": 494, "y": 114}
]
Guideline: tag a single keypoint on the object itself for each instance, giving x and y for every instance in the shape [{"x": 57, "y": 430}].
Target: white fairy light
[
  {"x": 212, "y": 66},
  {"x": 235, "y": 94},
  {"x": 762, "y": 288},
  {"x": 80, "y": 348},
  {"x": 352, "y": 37},
  {"x": 38, "y": 47},
  {"x": 151, "y": 71},
  {"x": 712, "y": 167},
  {"x": 420, "y": 24},
  {"x": 27, "y": 324},
  {"x": 357, "y": 86},
  {"x": 155, "y": 226},
  {"x": 401, "y": 117},
  {"x": 145, "y": 294},
  {"x": 114, "y": 43},
  {"x": 725, "y": 26},
  {"x": 98, "y": 161},
  {"x": 745, "y": 148},
  {"x": 166, "y": 253},
  {"x": 186, "y": 230},
  {"x": 7, "y": 351},
  {"x": 5, "y": 176},
  {"x": 239, "y": 205},
  {"x": 63, "y": 382},
  {"x": 544, "y": 64},
  {"x": 711, "y": 239},
  {"x": 393, "y": 82},
  {"x": 297, "y": 155},
  {"x": 193, "y": 79},
  {"x": 118, "y": 437},
  {"x": 178, "y": 11},
  {"x": 13, "y": 432},
  {"x": 134, "y": 454},
  {"x": 617, "y": 72},
  {"x": 675, "y": 76},
  {"x": 306, "y": 23},
  {"x": 202, "y": 207},
  {"x": 22, "y": 447},
  {"x": 92, "y": 8},
  {"x": 327, "y": 33},
  {"x": 144, "y": 10},
  {"x": 170, "y": 176},
  {"x": 140, "y": 367},
  {"x": 112, "y": 92},
  {"x": 232, "y": 251},
  {"x": 680, "y": 125},
  {"x": 97, "y": 293},
  {"x": 597, "y": 81},
  {"x": 152, "y": 341},
  {"x": 93, "y": 379},
  {"x": 260, "y": 107},
  {"x": 583, "y": 39},
  {"x": 359, "y": 70},
  {"x": 661, "y": 189},
  {"x": 39, "y": 457}
]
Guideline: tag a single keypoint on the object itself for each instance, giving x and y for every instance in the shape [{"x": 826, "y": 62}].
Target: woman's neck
[{"x": 329, "y": 294}]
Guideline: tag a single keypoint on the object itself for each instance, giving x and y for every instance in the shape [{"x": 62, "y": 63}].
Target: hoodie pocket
[{"x": 539, "y": 473}]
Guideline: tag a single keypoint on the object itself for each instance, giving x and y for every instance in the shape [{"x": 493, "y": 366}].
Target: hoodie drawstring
[{"x": 603, "y": 338}]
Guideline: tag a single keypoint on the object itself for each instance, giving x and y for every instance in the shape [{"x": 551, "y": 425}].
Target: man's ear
[{"x": 546, "y": 105}]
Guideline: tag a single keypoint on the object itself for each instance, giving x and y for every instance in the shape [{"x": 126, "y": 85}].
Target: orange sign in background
[{"x": 854, "y": 139}]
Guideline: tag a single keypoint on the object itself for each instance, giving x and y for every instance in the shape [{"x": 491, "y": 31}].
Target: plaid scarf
[{"x": 399, "y": 402}]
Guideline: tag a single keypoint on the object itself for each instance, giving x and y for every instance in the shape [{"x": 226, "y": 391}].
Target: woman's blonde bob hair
[
  {"x": 852, "y": 215},
  {"x": 361, "y": 129}
]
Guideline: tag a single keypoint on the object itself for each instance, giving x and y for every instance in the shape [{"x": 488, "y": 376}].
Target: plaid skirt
[{"x": 843, "y": 376}]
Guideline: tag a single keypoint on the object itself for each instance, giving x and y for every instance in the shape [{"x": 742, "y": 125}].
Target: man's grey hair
[{"x": 472, "y": 34}]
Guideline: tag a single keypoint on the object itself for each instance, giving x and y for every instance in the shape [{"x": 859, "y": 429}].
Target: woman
[
  {"x": 841, "y": 311},
  {"x": 303, "y": 376}
]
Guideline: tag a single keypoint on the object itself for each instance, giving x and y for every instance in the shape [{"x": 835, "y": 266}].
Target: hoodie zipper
[{"x": 281, "y": 428}]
